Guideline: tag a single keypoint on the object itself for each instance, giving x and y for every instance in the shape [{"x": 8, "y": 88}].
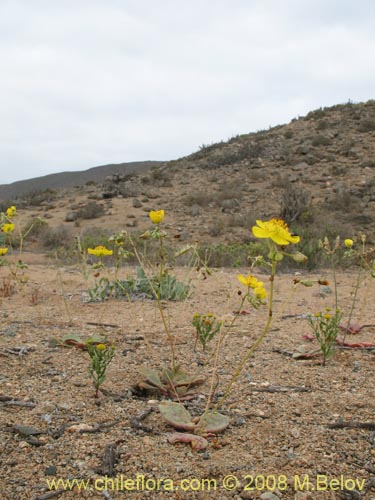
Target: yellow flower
[
  {"x": 275, "y": 229},
  {"x": 3, "y": 250},
  {"x": 7, "y": 228},
  {"x": 101, "y": 347},
  {"x": 327, "y": 316},
  {"x": 156, "y": 216},
  {"x": 348, "y": 243},
  {"x": 249, "y": 281},
  {"x": 11, "y": 211},
  {"x": 260, "y": 292},
  {"x": 99, "y": 251}
]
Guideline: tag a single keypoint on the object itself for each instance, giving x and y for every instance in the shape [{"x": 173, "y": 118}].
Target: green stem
[
  {"x": 334, "y": 279},
  {"x": 355, "y": 291},
  {"x": 256, "y": 344},
  {"x": 157, "y": 296}
]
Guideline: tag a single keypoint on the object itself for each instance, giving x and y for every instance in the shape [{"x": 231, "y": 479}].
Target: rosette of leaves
[
  {"x": 176, "y": 415},
  {"x": 173, "y": 383},
  {"x": 141, "y": 287}
]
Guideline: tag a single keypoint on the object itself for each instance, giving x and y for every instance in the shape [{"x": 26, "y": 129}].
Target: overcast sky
[{"x": 90, "y": 82}]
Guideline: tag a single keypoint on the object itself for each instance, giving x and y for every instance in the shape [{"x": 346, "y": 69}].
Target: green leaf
[
  {"x": 213, "y": 422},
  {"x": 151, "y": 377},
  {"x": 177, "y": 416}
]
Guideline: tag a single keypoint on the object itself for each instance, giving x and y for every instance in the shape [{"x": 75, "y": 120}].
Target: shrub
[
  {"x": 200, "y": 198},
  {"x": 320, "y": 140},
  {"x": 40, "y": 196},
  {"x": 56, "y": 237},
  {"x": 288, "y": 134},
  {"x": 91, "y": 210},
  {"x": 367, "y": 126},
  {"x": 295, "y": 203}
]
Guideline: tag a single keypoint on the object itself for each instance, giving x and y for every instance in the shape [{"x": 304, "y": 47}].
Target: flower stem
[
  {"x": 356, "y": 288},
  {"x": 256, "y": 344}
]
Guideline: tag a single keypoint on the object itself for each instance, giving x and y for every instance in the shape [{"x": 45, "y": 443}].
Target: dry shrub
[
  {"x": 55, "y": 237},
  {"x": 295, "y": 203}
]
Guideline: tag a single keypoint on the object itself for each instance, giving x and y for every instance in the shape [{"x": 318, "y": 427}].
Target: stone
[
  {"x": 268, "y": 495},
  {"x": 137, "y": 203},
  {"x": 71, "y": 217}
]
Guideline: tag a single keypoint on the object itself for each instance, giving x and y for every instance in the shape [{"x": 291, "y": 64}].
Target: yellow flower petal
[
  {"x": 99, "y": 251},
  {"x": 260, "y": 293},
  {"x": 156, "y": 216},
  {"x": 275, "y": 229},
  {"x": 249, "y": 281},
  {"x": 7, "y": 228},
  {"x": 11, "y": 211}
]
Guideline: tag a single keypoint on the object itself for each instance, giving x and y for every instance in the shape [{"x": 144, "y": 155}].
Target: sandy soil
[{"x": 280, "y": 409}]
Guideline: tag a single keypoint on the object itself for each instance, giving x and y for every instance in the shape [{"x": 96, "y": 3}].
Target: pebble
[
  {"x": 23, "y": 444},
  {"x": 80, "y": 428},
  {"x": 295, "y": 432},
  {"x": 303, "y": 496},
  {"x": 268, "y": 495},
  {"x": 51, "y": 470},
  {"x": 64, "y": 406},
  {"x": 46, "y": 418}
]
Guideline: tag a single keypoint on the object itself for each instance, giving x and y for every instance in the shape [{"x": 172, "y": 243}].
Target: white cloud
[{"x": 87, "y": 82}]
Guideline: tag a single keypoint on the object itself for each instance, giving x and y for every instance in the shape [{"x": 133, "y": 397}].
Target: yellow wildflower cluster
[
  {"x": 3, "y": 251},
  {"x": 156, "y": 216},
  {"x": 252, "y": 282},
  {"x": 11, "y": 212},
  {"x": 7, "y": 228},
  {"x": 348, "y": 243},
  {"x": 100, "y": 251}
]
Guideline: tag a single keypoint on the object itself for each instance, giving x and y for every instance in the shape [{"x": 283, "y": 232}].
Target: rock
[
  {"x": 300, "y": 166},
  {"x": 268, "y": 495},
  {"x": 301, "y": 495},
  {"x": 71, "y": 217},
  {"x": 229, "y": 204},
  {"x": 51, "y": 470},
  {"x": 23, "y": 444},
  {"x": 80, "y": 428},
  {"x": 137, "y": 203}
]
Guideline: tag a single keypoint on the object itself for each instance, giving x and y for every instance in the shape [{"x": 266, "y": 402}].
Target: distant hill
[
  {"x": 64, "y": 180},
  {"x": 316, "y": 172}
]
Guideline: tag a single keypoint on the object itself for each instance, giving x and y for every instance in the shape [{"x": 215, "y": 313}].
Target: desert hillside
[{"x": 317, "y": 172}]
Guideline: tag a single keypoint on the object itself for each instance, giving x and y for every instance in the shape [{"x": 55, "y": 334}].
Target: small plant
[
  {"x": 206, "y": 326},
  {"x": 172, "y": 383},
  {"x": 295, "y": 203},
  {"x": 7, "y": 241},
  {"x": 278, "y": 236},
  {"x": 101, "y": 355},
  {"x": 326, "y": 328}
]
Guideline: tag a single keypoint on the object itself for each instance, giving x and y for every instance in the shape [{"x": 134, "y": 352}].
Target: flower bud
[{"x": 299, "y": 257}]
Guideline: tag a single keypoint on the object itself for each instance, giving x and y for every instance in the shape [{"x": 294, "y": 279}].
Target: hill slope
[
  {"x": 64, "y": 180},
  {"x": 317, "y": 172}
]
